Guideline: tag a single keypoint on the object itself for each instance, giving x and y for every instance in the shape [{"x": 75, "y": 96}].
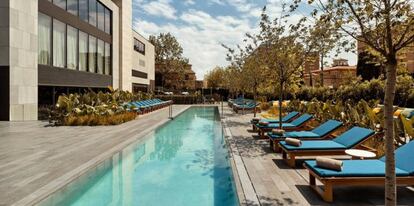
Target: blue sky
[{"x": 202, "y": 25}]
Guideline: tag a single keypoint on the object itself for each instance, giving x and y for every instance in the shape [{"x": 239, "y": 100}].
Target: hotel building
[{"x": 50, "y": 47}]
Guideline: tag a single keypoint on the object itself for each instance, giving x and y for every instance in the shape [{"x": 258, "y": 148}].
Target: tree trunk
[
  {"x": 255, "y": 97},
  {"x": 390, "y": 179},
  {"x": 322, "y": 70},
  {"x": 280, "y": 104}
]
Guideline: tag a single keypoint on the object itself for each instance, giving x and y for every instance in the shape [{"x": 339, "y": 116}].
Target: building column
[
  {"x": 19, "y": 56},
  {"x": 125, "y": 44}
]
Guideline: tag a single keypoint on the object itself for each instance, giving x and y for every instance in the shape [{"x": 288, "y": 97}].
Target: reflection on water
[{"x": 184, "y": 162}]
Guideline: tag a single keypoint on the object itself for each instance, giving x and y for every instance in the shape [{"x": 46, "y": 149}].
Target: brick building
[
  {"x": 174, "y": 82},
  {"x": 339, "y": 73}
]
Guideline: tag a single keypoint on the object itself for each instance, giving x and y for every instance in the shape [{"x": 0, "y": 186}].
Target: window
[
  {"x": 100, "y": 55},
  {"x": 139, "y": 46},
  {"x": 72, "y": 47},
  {"x": 83, "y": 51},
  {"x": 72, "y": 7},
  {"x": 107, "y": 21},
  {"x": 92, "y": 12},
  {"x": 44, "y": 30},
  {"x": 92, "y": 54},
  {"x": 60, "y": 3},
  {"x": 101, "y": 17},
  {"x": 59, "y": 55},
  {"x": 107, "y": 59},
  {"x": 83, "y": 10}
]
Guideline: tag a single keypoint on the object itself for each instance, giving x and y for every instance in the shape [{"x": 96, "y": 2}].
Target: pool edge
[
  {"x": 244, "y": 187},
  {"x": 50, "y": 188}
]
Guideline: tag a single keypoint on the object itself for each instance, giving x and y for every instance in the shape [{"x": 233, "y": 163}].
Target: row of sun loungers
[
  {"x": 320, "y": 141},
  {"x": 149, "y": 105},
  {"x": 243, "y": 104}
]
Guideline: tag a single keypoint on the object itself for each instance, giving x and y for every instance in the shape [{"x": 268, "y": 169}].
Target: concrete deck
[
  {"x": 277, "y": 184},
  {"x": 35, "y": 158}
]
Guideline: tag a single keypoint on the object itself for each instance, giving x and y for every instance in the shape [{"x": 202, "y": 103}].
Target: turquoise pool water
[{"x": 184, "y": 162}]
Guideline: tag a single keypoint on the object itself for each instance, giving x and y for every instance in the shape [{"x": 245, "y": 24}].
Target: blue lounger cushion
[
  {"x": 299, "y": 135},
  {"x": 404, "y": 157},
  {"x": 295, "y": 123},
  {"x": 318, "y": 132},
  {"x": 344, "y": 141},
  {"x": 327, "y": 127},
  {"x": 315, "y": 145},
  {"x": 355, "y": 168},
  {"x": 286, "y": 118},
  {"x": 353, "y": 136}
]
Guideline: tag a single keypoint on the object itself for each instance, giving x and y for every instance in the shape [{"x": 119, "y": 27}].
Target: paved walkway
[
  {"x": 277, "y": 184},
  {"x": 33, "y": 156}
]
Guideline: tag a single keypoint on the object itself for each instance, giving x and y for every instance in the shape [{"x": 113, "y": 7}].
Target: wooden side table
[{"x": 360, "y": 154}]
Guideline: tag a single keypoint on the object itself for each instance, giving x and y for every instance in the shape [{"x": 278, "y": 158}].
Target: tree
[
  {"x": 216, "y": 78},
  {"x": 285, "y": 50},
  {"x": 168, "y": 56},
  {"x": 385, "y": 26},
  {"x": 323, "y": 38}
]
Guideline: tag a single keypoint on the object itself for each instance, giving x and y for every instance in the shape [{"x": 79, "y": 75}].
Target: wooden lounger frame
[
  {"x": 255, "y": 128},
  {"x": 329, "y": 182},
  {"x": 274, "y": 143},
  {"x": 290, "y": 155},
  {"x": 262, "y": 131}
]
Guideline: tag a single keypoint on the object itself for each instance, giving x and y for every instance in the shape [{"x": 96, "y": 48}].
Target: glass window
[
  {"x": 92, "y": 12},
  {"x": 83, "y": 51},
  {"x": 44, "y": 31},
  {"x": 72, "y": 47},
  {"x": 60, "y": 3},
  {"x": 101, "y": 17},
  {"x": 59, "y": 43},
  {"x": 100, "y": 57},
  {"x": 107, "y": 59},
  {"x": 139, "y": 46},
  {"x": 72, "y": 7},
  {"x": 92, "y": 54},
  {"x": 107, "y": 21},
  {"x": 83, "y": 10}
]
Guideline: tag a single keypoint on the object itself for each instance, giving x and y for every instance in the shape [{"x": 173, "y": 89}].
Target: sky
[{"x": 201, "y": 26}]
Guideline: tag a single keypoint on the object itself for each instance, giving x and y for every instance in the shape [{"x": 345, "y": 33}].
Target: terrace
[{"x": 36, "y": 161}]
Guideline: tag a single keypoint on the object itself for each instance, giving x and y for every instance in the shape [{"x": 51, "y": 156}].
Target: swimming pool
[{"x": 184, "y": 162}]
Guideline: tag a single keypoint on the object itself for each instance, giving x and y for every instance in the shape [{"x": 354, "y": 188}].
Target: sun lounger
[
  {"x": 362, "y": 172},
  {"x": 296, "y": 124},
  {"x": 318, "y": 133},
  {"x": 347, "y": 140}
]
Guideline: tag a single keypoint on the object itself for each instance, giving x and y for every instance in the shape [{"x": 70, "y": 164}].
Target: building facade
[
  {"x": 50, "y": 47},
  {"x": 334, "y": 76}
]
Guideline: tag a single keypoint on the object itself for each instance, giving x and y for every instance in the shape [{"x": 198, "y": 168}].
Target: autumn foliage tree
[{"x": 168, "y": 56}]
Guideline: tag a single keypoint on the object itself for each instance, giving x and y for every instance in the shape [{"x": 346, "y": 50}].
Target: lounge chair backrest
[
  {"x": 354, "y": 136},
  {"x": 404, "y": 157},
  {"x": 301, "y": 120},
  {"x": 289, "y": 116},
  {"x": 327, "y": 127}
]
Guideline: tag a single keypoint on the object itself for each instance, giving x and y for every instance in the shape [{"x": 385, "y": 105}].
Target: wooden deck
[{"x": 277, "y": 184}]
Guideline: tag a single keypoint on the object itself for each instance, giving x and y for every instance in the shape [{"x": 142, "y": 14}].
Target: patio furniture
[
  {"x": 296, "y": 124},
  {"x": 321, "y": 132},
  {"x": 347, "y": 140},
  {"x": 362, "y": 172},
  {"x": 287, "y": 118},
  {"x": 360, "y": 154}
]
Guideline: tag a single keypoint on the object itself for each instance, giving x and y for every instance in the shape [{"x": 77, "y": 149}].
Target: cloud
[
  {"x": 189, "y": 2},
  {"x": 162, "y": 8},
  {"x": 201, "y": 31},
  {"x": 201, "y": 36}
]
